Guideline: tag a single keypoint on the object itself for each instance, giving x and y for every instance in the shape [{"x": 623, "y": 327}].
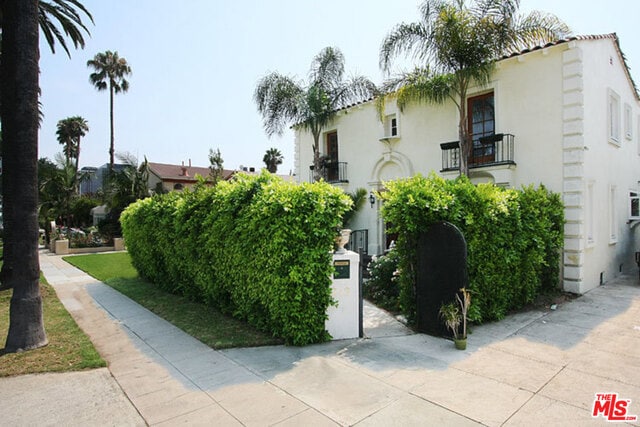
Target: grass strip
[
  {"x": 201, "y": 321},
  {"x": 69, "y": 349}
]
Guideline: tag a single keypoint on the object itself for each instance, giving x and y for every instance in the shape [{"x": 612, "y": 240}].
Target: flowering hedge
[
  {"x": 258, "y": 248},
  {"x": 514, "y": 238}
]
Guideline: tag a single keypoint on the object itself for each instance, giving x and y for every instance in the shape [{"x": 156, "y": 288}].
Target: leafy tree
[
  {"x": 57, "y": 188},
  {"x": 272, "y": 158},
  {"x": 122, "y": 188},
  {"x": 457, "y": 43},
  {"x": 46, "y": 173},
  {"x": 216, "y": 169},
  {"x": 69, "y": 132},
  {"x": 81, "y": 210},
  {"x": 110, "y": 72},
  {"x": 19, "y": 113},
  {"x": 282, "y": 100},
  {"x": 128, "y": 184}
]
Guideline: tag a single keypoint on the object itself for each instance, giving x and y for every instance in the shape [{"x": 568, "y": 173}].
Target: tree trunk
[
  {"x": 317, "y": 172},
  {"x": 19, "y": 86},
  {"x": 112, "y": 146},
  {"x": 77, "y": 186}
]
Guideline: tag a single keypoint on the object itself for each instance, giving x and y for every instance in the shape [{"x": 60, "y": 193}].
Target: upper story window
[
  {"x": 391, "y": 126},
  {"x": 614, "y": 117},
  {"x": 628, "y": 122},
  {"x": 613, "y": 219},
  {"x": 331, "y": 165},
  {"x": 590, "y": 214},
  {"x": 638, "y": 133},
  {"x": 634, "y": 205},
  {"x": 481, "y": 116}
]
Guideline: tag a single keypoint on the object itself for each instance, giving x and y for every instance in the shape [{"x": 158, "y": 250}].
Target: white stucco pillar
[{"x": 344, "y": 320}]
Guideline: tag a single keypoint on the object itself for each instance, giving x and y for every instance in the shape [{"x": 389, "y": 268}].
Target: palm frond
[
  {"x": 414, "y": 39},
  {"x": 356, "y": 89},
  {"x": 280, "y": 100},
  {"x": 327, "y": 68},
  {"x": 536, "y": 29},
  {"x": 66, "y": 14},
  {"x": 423, "y": 86}
]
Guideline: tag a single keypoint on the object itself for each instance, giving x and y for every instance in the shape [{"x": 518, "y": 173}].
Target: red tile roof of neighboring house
[{"x": 168, "y": 172}]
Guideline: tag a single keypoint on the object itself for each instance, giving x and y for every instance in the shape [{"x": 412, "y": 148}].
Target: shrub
[
  {"x": 81, "y": 210},
  {"x": 258, "y": 248},
  {"x": 513, "y": 238},
  {"x": 382, "y": 287}
]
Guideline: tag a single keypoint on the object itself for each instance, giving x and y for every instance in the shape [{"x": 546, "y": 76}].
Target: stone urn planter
[{"x": 342, "y": 240}]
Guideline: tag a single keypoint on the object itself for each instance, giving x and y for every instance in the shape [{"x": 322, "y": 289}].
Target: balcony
[
  {"x": 490, "y": 150},
  {"x": 331, "y": 172}
]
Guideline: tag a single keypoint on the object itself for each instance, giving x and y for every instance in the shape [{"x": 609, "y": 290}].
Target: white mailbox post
[{"x": 344, "y": 320}]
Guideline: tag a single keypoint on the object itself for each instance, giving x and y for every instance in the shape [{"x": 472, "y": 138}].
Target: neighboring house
[
  {"x": 566, "y": 115},
  {"x": 93, "y": 177},
  {"x": 252, "y": 171},
  {"x": 178, "y": 177}
]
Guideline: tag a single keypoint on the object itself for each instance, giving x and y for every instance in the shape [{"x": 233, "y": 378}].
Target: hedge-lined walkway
[{"x": 535, "y": 368}]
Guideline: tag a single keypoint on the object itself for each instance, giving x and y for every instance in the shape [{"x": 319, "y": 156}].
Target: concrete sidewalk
[{"x": 534, "y": 368}]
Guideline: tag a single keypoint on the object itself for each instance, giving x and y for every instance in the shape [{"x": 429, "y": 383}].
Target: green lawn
[
  {"x": 198, "y": 320},
  {"x": 69, "y": 349}
]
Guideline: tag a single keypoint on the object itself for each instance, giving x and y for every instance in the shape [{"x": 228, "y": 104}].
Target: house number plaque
[{"x": 342, "y": 269}]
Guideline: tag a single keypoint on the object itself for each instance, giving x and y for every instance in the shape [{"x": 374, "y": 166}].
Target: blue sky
[{"x": 196, "y": 63}]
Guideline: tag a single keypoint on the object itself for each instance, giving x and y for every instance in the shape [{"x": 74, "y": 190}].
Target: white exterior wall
[
  {"x": 554, "y": 101},
  {"x": 605, "y": 165}
]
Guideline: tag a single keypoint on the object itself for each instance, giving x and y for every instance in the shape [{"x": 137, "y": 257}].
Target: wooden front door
[{"x": 481, "y": 123}]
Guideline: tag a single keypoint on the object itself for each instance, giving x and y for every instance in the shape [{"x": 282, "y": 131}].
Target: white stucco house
[{"x": 566, "y": 115}]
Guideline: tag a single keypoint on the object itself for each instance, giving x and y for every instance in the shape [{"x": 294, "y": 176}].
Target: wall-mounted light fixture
[{"x": 372, "y": 198}]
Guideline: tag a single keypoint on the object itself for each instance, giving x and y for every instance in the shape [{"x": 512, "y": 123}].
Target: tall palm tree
[
  {"x": 110, "y": 72},
  {"x": 272, "y": 158},
  {"x": 282, "y": 100},
  {"x": 69, "y": 133},
  {"x": 457, "y": 43},
  {"x": 19, "y": 116},
  {"x": 19, "y": 113}
]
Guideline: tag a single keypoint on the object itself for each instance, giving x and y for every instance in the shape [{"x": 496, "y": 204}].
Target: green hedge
[
  {"x": 514, "y": 238},
  {"x": 258, "y": 248}
]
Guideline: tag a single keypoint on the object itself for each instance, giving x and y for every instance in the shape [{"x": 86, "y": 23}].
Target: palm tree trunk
[
  {"x": 463, "y": 133},
  {"x": 77, "y": 189},
  {"x": 111, "y": 147},
  {"x": 317, "y": 173},
  {"x": 19, "y": 88}
]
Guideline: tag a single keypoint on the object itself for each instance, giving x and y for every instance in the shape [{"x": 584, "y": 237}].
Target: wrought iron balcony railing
[
  {"x": 331, "y": 172},
  {"x": 490, "y": 150}
]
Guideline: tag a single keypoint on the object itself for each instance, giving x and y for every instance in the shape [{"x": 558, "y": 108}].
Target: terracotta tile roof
[
  {"x": 167, "y": 172},
  {"x": 612, "y": 36}
]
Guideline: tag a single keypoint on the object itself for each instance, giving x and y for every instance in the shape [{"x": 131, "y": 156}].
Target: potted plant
[{"x": 455, "y": 314}]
